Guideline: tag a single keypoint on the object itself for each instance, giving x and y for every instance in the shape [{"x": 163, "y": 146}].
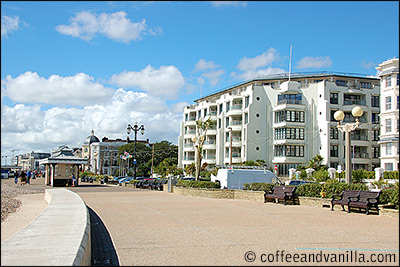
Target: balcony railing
[
  {"x": 289, "y": 101},
  {"x": 236, "y": 123},
  {"x": 188, "y": 158},
  {"x": 188, "y": 145},
  {"x": 192, "y": 119},
  {"x": 351, "y": 120},
  {"x": 234, "y": 139},
  {"x": 210, "y": 157},
  {"x": 191, "y": 132},
  {"x": 359, "y": 137},
  {"x": 359, "y": 155},
  {"x": 213, "y": 113},
  {"x": 234, "y": 155},
  {"x": 236, "y": 107},
  {"x": 209, "y": 142},
  {"x": 354, "y": 102}
]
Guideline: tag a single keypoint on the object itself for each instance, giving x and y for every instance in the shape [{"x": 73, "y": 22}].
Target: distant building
[
  {"x": 103, "y": 157},
  {"x": 286, "y": 123},
  {"x": 30, "y": 161},
  {"x": 389, "y": 116}
]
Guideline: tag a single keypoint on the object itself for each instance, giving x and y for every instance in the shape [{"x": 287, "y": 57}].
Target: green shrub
[
  {"x": 357, "y": 176},
  {"x": 390, "y": 196},
  {"x": 259, "y": 187},
  {"x": 320, "y": 175},
  {"x": 303, "y": 175},
  {"x": 197, "y": 184},
  {"x": 309, "y": 190},
  {"x": 391, "y": 175}
]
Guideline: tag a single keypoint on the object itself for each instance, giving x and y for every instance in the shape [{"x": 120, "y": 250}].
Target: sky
[{"x": 69, "y": 67}]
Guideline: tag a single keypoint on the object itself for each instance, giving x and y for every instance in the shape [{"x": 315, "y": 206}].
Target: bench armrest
[{"x": 372, "y": 200}]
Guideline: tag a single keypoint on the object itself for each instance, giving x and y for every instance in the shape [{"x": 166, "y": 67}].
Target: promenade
[
  {"x": 142, "y": 227},
  {"x": 160, "y": 228}
]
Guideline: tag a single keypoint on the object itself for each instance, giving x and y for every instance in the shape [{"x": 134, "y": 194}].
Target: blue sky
[{"x": 70, "y": 67}]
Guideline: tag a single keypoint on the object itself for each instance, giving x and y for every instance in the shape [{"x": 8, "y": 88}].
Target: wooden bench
[
  {"x": 366, "y": 200},
  {"x": 281, "y": 192},
  {"x": 344, "y": 198}
]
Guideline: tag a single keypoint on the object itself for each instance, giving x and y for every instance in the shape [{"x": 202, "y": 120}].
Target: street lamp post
[
  {"x": 347, "y": 129},
  {"x": 135, "y": 128}
]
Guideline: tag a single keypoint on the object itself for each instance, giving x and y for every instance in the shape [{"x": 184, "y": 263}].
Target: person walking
[
  {"x": 73, "y": 179},
  {"x": 28, "y": 176},
  {"x": 16, "y": 175},
  {"x": 23, "y": 178}
]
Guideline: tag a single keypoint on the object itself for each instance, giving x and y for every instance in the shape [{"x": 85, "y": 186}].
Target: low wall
[
  {"x": 60, "y": 235},
  {"x": 220, "y": 193}
]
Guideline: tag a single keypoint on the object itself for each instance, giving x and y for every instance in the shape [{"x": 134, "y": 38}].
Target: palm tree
[{"x": 198, "y": 141}]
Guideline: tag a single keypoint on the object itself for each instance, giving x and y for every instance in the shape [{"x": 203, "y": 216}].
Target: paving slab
[{"x": 160, "y": 228}]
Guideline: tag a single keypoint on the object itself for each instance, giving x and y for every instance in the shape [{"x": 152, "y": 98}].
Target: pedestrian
[
  {"x": 23, "y": 178},
  {"x": 16, "y": 175},
  {"x": 28, "y": 176},
  {"x": 73, "y": 179}
]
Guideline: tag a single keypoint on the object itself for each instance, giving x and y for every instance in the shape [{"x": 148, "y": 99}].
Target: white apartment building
[
  {"x": 286, "y": 123},
  {"x": 389, "y": 116}
]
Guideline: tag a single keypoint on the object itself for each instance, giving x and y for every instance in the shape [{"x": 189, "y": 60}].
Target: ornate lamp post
[
  {"x": 348, "y": 128},
  {"x": 135, "y": 128}
]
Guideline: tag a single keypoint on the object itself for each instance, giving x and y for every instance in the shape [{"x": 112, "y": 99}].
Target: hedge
[
  {"x": 198, "y": 184},
  {"x": 390, "y": 196},
  {"x": 259, "y": 187},
  {"x": 391, "y": 175}
]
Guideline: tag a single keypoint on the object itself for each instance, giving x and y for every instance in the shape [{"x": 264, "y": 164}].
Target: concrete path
[{"x": 159, "y": 228}]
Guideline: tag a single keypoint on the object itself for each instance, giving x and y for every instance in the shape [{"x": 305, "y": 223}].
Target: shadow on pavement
[{"x": 103, "y": 251}]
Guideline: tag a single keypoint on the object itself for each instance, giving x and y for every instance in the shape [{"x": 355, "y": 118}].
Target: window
[
  {"x": 375, "y": 152},
  {"x": 388, "y": 149},
  {"x": 334, "y": 98},
  {"x": 376, "y": 135},
  {"x": 388, "y": 102},
  {"x": 289, "y": 133},
  {"x": 397, "y": 82},
  {"x": 205, "y": 112},
  {"x": 388, "y": 81},
  {"x": 228, "y": 106},
  {"x": 341, "y": 83},
  {"x": 270, "y": 84},
  {"x": 333, "y": 115},
  {"x": 289, "y": 151},
  {"x": 366, "y": 85},
  {"x": 375, "y": 100},
  {"x": 219, "y": 123},
  {"x": 334, "y": 133},
  {"x": 186, "y": 117},
  {"x": 388, "y": 167},
  {"x": 375, "y": 118},
  {"x": 289, "y": 99},
  {"x": 198, "y": 114},
  {"x": 398, "y": 102},
  {"x": 388, "y": 125},
  {"x": 246, "y": 101},
  {"x": 220, "y": 108},
  {"x": 334, "y": 151},
  {"x": 227, "y": 122},
  {"x": 246, "y": 118},
  {"x": 289, "y": 115},
  {"x": 317, "y": 81}
]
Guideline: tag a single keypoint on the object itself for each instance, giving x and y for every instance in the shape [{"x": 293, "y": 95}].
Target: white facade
[
  {"x": 286, "y": 123},
  {"x": 389, "y": 116},
  {"x": 104, "y": 157}
]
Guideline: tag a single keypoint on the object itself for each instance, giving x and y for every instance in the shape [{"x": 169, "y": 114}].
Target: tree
[
  {"x": 190, "y": 169},
  {"x": 316, "y": 163},
  {"x": 198, "y": 141}
]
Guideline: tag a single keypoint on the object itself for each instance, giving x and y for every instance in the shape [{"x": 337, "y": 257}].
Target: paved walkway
[{"x": 158, "y": 228}]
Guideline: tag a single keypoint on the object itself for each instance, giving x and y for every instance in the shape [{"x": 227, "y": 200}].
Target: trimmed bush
[
  {"x": 259, "y": 187},
  {"x": 197, "y": 184},
  {"x": 309, "y": 190},
  {"x": 320, "y": 175},
  {"x": 390, "y": 196},
  {"x": 391, "y": 175}
]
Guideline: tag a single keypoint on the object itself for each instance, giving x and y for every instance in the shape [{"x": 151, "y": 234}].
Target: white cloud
[
  {"x": 165, "y": 81},
  {"x": 30, "y": 128},
  {"x": 8, "y": 25},
  {"x": 205, "y": 65},
  {"x": 213, "y": 76},
  {"x": 314, "y": 63},
  {"x": 229, "y": 3},
  {"x": 258, "y": 65},
  {"x": 78, "y": 90},
  {"x": 266, "y": 58},
  {"x": 116, "y": 26},
  {"x": 368, "y": 65}
]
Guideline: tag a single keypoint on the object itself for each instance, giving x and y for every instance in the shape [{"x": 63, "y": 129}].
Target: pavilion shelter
[{"x": 61, "y": 165}]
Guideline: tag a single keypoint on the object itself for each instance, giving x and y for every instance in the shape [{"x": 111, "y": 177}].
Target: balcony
[
  {"x": 354, "y": 102},
  {"x": 188, "y": 158},
  {"x": 235, "y": 110},
  {"x": 290, "y": 101}
]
